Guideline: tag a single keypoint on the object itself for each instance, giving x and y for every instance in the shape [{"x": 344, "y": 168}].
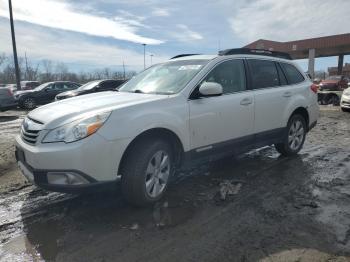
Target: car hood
[
  {"x": 22, "y": 92},
  {"x": 65, "y": 111}
]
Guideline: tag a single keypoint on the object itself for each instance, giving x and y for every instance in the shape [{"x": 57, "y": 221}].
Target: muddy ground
[{"x": 281, "y": 209}]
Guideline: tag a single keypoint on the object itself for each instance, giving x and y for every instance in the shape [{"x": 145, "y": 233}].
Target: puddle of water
[{"x": 19, "y": 249}]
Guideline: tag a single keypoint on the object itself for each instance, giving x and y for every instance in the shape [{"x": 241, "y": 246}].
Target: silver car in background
[{"x": 7, "y": 101}]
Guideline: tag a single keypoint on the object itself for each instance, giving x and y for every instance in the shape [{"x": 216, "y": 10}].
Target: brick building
[{"x": 334, "y": 70}]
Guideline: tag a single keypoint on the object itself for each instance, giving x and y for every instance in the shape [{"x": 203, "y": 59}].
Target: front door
[{"x": 225, "y": 122}]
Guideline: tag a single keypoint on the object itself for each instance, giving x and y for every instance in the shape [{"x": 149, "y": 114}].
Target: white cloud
[
  {"x": 52, "y": 13},
  {"x": 160, "y": 12},
  {"x": 286, "y": 20},
  {"x": 184, "y": 34},
  {"x": 70, "y": 48}
]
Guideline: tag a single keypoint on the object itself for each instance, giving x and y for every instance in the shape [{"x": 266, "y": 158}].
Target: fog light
[{"x": 66, "y": 178}]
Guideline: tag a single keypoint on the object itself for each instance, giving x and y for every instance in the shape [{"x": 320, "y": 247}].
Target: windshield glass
[
  {"x": 338, "y": 78},
  {"x": 167, "y": 78},
  {"x": 41, "y": 87},
  {"x": 88, "y": 86}
]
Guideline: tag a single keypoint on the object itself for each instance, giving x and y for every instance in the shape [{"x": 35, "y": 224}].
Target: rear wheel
[
  {"x": 294, "y": 137},
  {"x": 29, "y": 103},
  {"x": 146, "y": 171}
]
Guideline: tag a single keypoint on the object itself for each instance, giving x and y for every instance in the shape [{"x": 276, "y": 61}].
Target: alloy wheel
[
  {"x": 157, "y": 173},
  {"x": 296, "y": 135}
]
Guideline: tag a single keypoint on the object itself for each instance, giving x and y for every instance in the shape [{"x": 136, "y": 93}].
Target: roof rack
[
  {"x": 248, "y": 51},
  {"x": 182, "y": 55}
]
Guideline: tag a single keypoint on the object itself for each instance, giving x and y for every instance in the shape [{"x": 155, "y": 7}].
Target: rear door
[
  {"x": 271, "y": 94},
  {"x": 222, "y": 123}
]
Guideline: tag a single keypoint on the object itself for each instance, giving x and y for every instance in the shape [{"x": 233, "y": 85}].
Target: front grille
[
  {"x": 30, "y": 130},
  {"x": 29, "y": 136}
]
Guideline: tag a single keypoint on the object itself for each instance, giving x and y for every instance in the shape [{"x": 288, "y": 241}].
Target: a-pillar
[
  {"x": 311, "y": 68},
  {"x": 340, "y": 64}
]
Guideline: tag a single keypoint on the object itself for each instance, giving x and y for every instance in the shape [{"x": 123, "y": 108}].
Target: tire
[
  {"x": 143, "y": 180},
  {"x": 28, "y": 103},
  {"x": 345, "y": 109},
  {"x": 333, "y": 99},
  {"x": 294, "y": 136}
]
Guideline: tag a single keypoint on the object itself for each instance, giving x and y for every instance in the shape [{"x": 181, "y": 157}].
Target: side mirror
[{"x": 210, "y": 89}]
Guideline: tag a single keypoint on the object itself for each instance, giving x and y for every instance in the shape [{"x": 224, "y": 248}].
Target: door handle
[
  {"x": 287, "y": 94},
  {"x": 246, "y": 101}
]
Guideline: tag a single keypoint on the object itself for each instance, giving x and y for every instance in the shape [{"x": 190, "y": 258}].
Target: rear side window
[
  {"x": 263, "y": 73},
  {"x": 293, "y": 74},
  {"x": 283, "y": 79}
]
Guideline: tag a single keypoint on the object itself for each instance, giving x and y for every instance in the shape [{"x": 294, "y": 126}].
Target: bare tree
[
  {"x": 46, "y": 76},
  {"x": 62, "y": 72}
]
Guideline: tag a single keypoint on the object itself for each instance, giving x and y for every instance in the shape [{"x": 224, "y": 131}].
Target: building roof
[{"x": 325, "y": 46}]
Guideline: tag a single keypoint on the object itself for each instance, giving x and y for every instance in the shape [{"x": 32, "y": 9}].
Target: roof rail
[
  {"x": 182, "y": 55},
  {"x": 248, "y": 51}
]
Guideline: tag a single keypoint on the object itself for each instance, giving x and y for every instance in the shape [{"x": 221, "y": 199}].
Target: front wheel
[
  {"x": 294, "y": 137},
  {"x": 28, "y": 103},
  {"x": 146, "y": 171}
]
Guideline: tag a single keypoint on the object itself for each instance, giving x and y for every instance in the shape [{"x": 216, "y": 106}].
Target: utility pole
[
  {"x": 14, "y": 48},
  {"x": 144, "y": 56},
  {"x": 151, "y": 55}
]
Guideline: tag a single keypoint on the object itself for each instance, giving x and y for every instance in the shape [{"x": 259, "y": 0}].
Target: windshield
[
  {"x": 167, "y": 78},
  {"x": 338, "y": 78},
  {"x": 41, "y": 87},
  {"x": 88, "y": 86}
]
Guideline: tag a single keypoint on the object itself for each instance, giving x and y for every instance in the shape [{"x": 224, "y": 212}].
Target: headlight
[{"x": 76, "y": 130}]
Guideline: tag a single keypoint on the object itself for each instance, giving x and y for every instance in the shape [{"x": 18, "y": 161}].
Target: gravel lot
[{"x": 278, "y": 209}]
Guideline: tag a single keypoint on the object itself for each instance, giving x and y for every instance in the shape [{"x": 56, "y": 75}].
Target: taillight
[
  {"x": 314, "y": 88},
  {"x": 9, "y": 91}
]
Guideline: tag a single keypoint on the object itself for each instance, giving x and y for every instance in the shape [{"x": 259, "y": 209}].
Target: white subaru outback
[{"x": 190, "y": 108}]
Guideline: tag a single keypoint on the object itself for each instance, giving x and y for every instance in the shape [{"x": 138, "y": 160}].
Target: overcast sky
[{"x": 102, "y": 33}]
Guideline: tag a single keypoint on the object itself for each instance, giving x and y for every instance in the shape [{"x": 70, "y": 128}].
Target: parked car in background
[
  {"x": 13, "y": 87},
  {"x": 28, "y": 85},
  {"x": 92, "y": 87},
  {"x": 330, "y": 90},
  {"x": 345, "y": 100},
  {"x": 7, "y": 101},
  {"x": 43, "y": 94},
  {"x": 182, "y": 112}
]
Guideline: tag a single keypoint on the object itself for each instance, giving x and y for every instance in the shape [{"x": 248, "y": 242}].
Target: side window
[
  {"x": 67, "y": 86},
  {"x": 293, "y": 74},
  {"x": 50, "y": 87},
  {"x": 263, "y": 73},
  {"x": 282, "y": 77},
  {"x": 58, "y": 86},
  {"x": 107, "y": 85},
  {"x": 230, "y": 75}
]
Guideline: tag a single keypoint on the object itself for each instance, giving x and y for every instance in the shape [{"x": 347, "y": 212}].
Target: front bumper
[
  {"x": 40, "y": 178},
  {"x": 345, "y": 101},
  {"x": 93, "y": 158}
]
